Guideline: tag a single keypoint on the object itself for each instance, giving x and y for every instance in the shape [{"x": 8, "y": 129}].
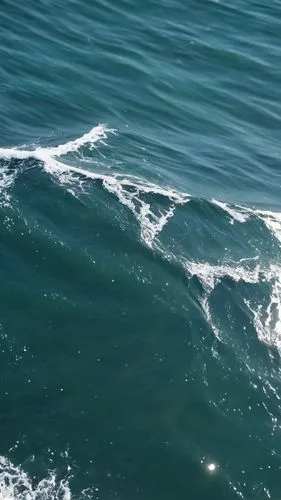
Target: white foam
[
  {"x": 267, "y": 321},
  {"x": 129, "y": 190},
  {"x": 210, "y": 275},
  {"x": 16, "y": 485},
  {"x": 236, "y": 213}
]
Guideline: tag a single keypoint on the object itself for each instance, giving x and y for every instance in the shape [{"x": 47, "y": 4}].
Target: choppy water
[{"x": 140, "y": 240}]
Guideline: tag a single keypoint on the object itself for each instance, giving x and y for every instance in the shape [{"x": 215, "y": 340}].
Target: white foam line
[{"x": 236, "y": 213}]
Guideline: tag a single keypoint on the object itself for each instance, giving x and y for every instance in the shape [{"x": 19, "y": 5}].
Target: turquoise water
[{"x": 140, "y": 243}]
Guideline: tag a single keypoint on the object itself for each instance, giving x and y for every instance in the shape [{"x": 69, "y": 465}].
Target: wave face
[
  {"x": 140, "y": 276},
  {"x": 230, "y": 287}
]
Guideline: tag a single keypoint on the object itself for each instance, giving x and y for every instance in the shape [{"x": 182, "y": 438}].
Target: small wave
[{"x": 16, "y": 485}]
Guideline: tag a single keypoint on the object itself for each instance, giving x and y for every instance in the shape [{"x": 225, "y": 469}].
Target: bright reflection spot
[{"x": 211, "y": 467}]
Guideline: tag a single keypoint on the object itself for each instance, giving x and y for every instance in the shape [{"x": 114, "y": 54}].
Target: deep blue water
[{"x": 140, "y": 246}]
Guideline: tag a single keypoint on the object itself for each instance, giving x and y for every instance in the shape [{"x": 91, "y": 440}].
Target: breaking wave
[
  {"x": 134, "y": 192},
  {"x": 129, "y": 189}
]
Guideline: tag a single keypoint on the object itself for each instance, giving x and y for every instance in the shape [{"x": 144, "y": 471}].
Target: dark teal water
[{"x": 140, "y": 277}]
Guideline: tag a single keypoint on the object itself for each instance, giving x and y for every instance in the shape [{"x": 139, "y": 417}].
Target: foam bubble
[{"x": 16, "y": 485}]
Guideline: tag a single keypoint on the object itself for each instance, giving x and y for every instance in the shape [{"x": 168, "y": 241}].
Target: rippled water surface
[{"x": 140, "y": 245}]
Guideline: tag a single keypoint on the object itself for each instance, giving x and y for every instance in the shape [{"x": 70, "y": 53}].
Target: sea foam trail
[
  {"x": 129, "y": 190},
  {"x": 15, "y": 484}
]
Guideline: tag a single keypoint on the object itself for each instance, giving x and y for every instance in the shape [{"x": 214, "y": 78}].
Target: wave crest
[{"x": 129, "y": 190}]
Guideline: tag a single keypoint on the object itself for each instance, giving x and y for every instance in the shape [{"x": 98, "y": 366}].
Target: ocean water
[{"x": 140, "y": 245}]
